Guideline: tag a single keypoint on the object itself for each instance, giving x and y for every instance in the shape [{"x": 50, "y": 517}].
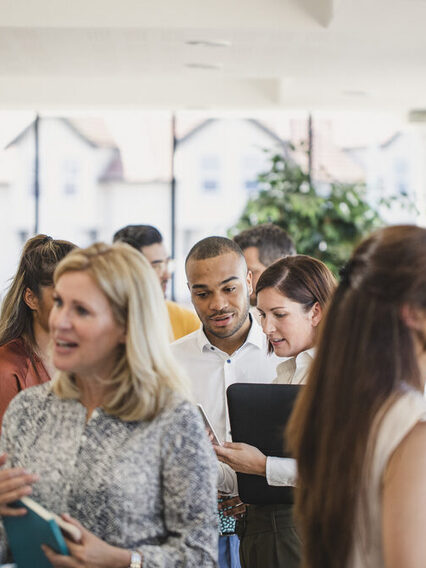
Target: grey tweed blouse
[{"x": 140, "y": 485}]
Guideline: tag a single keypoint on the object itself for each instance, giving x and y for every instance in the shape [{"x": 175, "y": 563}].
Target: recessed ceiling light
[
  {"x": 354, "y": 93},
  {"x": 417, "y": 115},
  {"x": 209, "y": 43},
  {"x": 209, "y": 66}
]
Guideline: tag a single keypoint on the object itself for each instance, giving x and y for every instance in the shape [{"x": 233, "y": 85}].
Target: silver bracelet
[{"x": 135, "y": 560}]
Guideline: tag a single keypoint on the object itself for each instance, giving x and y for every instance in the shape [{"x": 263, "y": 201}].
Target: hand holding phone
[{"x": 210, "y": 430}]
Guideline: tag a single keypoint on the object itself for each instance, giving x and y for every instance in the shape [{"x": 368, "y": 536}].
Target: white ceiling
[{"x": 310, "y": 54}]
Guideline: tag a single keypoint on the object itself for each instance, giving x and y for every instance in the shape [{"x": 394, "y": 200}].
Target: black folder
[{"x": 258, "y": 415}]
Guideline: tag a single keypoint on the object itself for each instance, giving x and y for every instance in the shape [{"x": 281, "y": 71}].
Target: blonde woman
[{"x": 113, "y": 442}]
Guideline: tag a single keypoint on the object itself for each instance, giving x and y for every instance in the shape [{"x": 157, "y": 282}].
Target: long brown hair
[
  {"x": 365, "y": 353},
  {"x": 300, "y": 278},
  {"x": 38, "y": 261}
]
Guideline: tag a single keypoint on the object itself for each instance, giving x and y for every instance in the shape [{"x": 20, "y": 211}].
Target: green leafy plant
[{"x": 325, "y": 224}]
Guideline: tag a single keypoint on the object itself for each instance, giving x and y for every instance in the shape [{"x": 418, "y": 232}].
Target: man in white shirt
[{"x": 229, "y": 348}]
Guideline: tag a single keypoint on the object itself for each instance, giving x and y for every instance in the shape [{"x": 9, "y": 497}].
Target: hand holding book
[
  {"x": 35, "y": 539},
  {"x": 90, "y": 551},
  {"x": 14, "y": 484},
  {"x": 30, "y": 527}
]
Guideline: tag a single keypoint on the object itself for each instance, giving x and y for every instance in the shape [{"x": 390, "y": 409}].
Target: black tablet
[{"x": 258, "y": 415}]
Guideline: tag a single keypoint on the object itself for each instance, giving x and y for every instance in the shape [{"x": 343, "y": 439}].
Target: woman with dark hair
[
  {"x": 358, "y": 431},
  {"x": 292, "y": 295},
  {"x": 24, "y": 330}
]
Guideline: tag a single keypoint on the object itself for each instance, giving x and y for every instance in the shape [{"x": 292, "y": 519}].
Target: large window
[
  {"x": 210, "y": 173},
  {"x": 70, "y": 172}
]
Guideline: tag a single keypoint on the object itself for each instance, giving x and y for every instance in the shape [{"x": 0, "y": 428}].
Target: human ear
[
  {"x": 413, "y": 317},
  {"x": 250, "y": 281},
  {"x": 316, "y": 314},
  {"x": 30, "y": 299}
]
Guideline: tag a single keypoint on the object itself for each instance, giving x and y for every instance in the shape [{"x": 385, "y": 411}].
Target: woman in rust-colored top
[
  {"x": 19, "y": 369},
  {"x": 24, "y": 330}
]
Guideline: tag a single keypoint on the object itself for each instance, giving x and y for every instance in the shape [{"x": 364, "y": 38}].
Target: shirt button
[{"x": 228, "y": 360}]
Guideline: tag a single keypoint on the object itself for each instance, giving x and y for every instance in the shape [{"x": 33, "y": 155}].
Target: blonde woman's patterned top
[{"x": 140, "y": 485}]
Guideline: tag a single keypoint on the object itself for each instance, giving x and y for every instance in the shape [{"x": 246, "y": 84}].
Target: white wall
[
  {"x": 123, "y": 204},
  {"x": 66, "y": 161},
  {"x": 69, "y": 162}
]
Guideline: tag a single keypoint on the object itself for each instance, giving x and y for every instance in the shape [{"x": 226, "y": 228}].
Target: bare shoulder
[
  {"x": 404, "y": 502},
  {"x": 410, "y": 453}
]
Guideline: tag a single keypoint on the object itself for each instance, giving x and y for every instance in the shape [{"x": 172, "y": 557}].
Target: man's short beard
[{"x": 241, "y": 322}]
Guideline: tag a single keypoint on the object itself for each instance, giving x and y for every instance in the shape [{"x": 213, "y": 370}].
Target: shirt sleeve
[
  {"x": 226, "y": 479},
  {"x": 9, "y": 388},
  {"x": 281, "y": 471},
  {"x": 189, "y": 490}
]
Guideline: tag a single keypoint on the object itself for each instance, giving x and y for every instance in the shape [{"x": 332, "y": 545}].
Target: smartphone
[{"x": 210, "y": 430}]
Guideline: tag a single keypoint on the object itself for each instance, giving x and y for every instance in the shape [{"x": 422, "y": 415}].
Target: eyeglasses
[{"x": 160, "y": 266}]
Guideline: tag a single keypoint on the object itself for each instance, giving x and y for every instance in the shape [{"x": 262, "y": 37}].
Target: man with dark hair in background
[
  {"x": 229, "y": 348},
  {"x": 262, "y": 245},
  {"x": 149, "y": 241}
]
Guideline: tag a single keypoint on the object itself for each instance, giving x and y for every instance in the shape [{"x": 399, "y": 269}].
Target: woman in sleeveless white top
[{"x": 358, "y": 431}]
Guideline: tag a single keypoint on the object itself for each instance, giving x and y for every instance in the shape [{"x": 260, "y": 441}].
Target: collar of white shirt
[
  {"x": 255, "y": 337},
  {"x": 295, "y": 369},
  {"x": 305, "y": 358}
]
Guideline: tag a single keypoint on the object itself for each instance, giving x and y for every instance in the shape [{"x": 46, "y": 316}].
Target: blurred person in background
[
  {"x": 149, "y": 241},
  {"x": 25, "y": 360},
  {"x": 113, "y": 440},
  {"x": 262, "y": 245},
  {"x": 358, "y": 431}
]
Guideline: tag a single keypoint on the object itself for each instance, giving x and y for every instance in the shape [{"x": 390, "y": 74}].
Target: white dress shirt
[
  {"x": 211, "y": 371},
  {"x": 294, "y": 371},
  {"x": 283, "y": 471}
]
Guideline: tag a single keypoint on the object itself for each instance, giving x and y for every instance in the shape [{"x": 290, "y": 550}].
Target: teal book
[{"x": 27, "y": 533}]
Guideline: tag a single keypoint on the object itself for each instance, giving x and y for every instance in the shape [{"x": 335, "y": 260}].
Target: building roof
[
  {"x": 92, "y": 131},
  {"x": 142, "y": 145},
  {"x": 114, "y": 169}
]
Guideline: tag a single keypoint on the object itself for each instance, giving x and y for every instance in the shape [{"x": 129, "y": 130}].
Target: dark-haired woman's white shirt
[
  {"x": 294, "y": 371},
  {"x": 283, "y": 471}
]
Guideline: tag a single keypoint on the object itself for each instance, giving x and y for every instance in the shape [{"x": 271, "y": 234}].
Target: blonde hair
[{"x": 145, "y": 375}]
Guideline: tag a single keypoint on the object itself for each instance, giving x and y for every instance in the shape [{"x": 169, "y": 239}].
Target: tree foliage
[{"x": 324, "y": 224}]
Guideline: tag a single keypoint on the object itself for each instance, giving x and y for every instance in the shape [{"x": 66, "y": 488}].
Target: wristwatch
[{"x": 135, "y": 560}]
